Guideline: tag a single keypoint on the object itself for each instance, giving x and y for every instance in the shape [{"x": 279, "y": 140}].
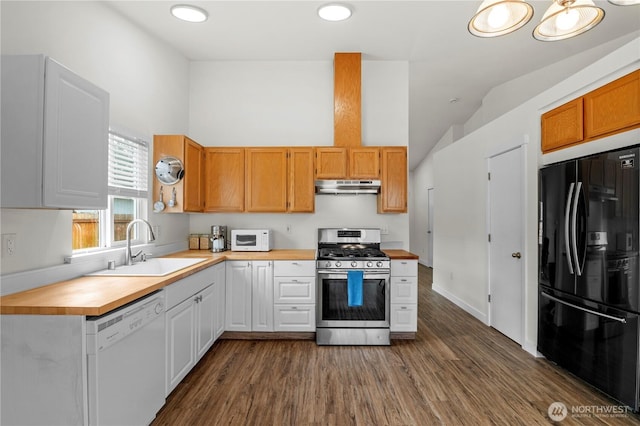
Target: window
[{"x": 128, "y": 186}]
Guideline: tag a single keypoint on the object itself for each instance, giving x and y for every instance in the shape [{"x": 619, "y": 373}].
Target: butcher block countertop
[{"x": 97, "y": 295}]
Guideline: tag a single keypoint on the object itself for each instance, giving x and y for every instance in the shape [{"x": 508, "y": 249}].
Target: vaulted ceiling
[{"x": 445, "y": 60}]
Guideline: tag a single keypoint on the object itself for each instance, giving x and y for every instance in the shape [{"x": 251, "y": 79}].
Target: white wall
[
  {"x": 460, "y": 261},
  {"x": 263, "y": 103},
  {"x": 421, "y": 180},
  {"x": 148, "y": 84}
]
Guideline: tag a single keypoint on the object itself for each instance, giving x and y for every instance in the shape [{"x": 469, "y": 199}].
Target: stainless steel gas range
[{"x": 353, "y": 288}]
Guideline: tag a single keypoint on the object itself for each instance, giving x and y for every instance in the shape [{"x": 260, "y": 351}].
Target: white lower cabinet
[
  {"x": 294, "y": 286},
  {"x": 192, "y": 321},
  {"x": 404, "y": 296},
  {"x": 249, "y": 295}
]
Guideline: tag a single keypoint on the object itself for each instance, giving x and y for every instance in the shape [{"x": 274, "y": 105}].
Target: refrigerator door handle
[
  {"x": 580, "y": 308},
  {"x": 567, "y": 214},
  {"x": 574, "y": 229}
]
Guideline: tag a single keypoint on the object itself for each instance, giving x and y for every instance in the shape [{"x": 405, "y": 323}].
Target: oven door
[{"x": 333, "y": 309}]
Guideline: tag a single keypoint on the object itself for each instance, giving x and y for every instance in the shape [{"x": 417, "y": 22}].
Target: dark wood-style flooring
[{"x": 457, "y": 372}]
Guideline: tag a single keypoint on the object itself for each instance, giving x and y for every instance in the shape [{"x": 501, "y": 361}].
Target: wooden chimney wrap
[{"x": 347, "y": 99}]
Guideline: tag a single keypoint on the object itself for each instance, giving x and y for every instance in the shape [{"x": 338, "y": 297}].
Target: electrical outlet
[
  {"x": 384, "y": 230},
  {"x": 8, "y": 245}
]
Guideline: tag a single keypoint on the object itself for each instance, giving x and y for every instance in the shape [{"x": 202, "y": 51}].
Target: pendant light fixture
[
  {"x": 563, "y": 19},
  {"x": 568, "y": 18},
  {"x": 498, "y": 17}
]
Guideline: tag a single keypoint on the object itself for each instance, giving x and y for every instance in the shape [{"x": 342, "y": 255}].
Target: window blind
[{"x": 128, "y": 166}]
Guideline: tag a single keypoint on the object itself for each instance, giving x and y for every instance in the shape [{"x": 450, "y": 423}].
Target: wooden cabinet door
[
  {"x": 205, "y": 318},
  {"x": 193, "y": 173},
  {"x": 301, "y": 194},
  {"x": 562, "y": 126},
  {"x": 238, "y": 295},
  {"x": 181, "y": 356},
  {"x": 76, "y": 140},
  {"x": 224, "y": 180},
  {"x": 613, "y": 107},
  {"x": 331, "y": 163},
  {"x": 266, "y": 179},
  {"x": 262, "y": 295},
  {"x": 393, "y": 190},
  {"x": 364, "y": 163}
]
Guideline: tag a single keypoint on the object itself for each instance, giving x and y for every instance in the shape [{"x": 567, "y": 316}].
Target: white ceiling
[{"x": 446, "y": 61}]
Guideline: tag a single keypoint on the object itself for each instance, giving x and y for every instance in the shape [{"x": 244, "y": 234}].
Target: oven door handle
[{"x": 328, "y": 274}]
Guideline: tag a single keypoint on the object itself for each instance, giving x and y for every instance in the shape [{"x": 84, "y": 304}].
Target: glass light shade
[
  {"x": 189, "y": 13},
  {"x": 498, "y": 17},
  {"x": 334, "y": 12},
  {"x": 624, "y": 2},
  {"x": 562, "y": 22}
]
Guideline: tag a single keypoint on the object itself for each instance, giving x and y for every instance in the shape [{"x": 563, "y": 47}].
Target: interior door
[
  {"x": 505, "y": 252},
  {"x": 430, "y": 201}
]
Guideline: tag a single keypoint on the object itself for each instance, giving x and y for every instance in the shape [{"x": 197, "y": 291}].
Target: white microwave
[{"x": 251, "y": 240}]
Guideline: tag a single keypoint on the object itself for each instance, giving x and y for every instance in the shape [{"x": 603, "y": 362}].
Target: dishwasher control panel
[{"x": 105, "y": 330}]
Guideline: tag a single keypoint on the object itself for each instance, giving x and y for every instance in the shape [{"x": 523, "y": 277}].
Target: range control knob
[
  {"x": 369, "y": 264},
  {"x": 338, "y": 264},
  {"x": 379, "y": 264},
  {"x": 354, "y": 264},
  {"x": 158, "y": 308},
  {"x": 327, "y": 265}
]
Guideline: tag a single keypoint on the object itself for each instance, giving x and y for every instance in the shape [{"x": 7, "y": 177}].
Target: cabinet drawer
[
  {"x": 404, "y": 290},
  {"x": 294, "y": 290},
  {"x": 294, "y": 317},
  {"x": 404, "y": 317},
  {"x": 294, "y": 268},
  {"x": 187, "y": 287},
  {"x": 404, "y": 268}
]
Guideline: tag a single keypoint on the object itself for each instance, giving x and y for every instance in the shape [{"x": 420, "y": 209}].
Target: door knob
[{"x": 517, "y": 255}]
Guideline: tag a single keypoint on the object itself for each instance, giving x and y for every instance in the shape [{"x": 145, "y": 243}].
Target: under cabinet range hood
[{"x": 349, "y": 187}]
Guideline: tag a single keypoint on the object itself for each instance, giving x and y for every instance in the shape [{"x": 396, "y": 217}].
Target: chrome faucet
[{"x": 128, "y": 257}]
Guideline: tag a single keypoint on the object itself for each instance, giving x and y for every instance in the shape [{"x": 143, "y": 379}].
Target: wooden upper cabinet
[
  {"x": 224, "y": 179},
  {"x": 364, "y": 163},
  {"x": 266, "y": 179},
  {"x": 301, "y": 193},
  {"x": 331, "y": 163},
  {"x": 393, "y": 190},
  {"x": 610, "y": 109},
  {"x": 562, "y": 126},
  {"x": 188, "y": 191},
  {"x": 613, "y": 107},
  {"x": 193, "y": 176}
]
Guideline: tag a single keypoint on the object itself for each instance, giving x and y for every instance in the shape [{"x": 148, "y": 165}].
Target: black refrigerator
[{"x": 588, "y": 296}]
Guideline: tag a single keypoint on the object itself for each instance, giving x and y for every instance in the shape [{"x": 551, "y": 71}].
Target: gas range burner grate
[{"x": 351, "y": 253}]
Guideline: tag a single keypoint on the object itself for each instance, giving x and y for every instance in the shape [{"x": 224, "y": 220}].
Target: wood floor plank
[{"x": 456, "y": 372}]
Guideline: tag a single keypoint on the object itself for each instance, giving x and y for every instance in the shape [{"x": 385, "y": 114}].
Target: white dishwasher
[{"x": 126, "y": 363}]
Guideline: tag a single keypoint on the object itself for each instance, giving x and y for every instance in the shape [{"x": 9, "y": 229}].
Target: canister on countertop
[
  {"x": 205, "y": 242},
  {"x": 194, "y": 242}
]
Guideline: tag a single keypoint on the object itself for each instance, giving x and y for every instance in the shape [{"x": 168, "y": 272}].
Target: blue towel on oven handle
[{"x": 354, "y": 288}]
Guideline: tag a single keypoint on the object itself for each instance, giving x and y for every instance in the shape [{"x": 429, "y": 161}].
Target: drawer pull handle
[{"x": 403, "y": 280}]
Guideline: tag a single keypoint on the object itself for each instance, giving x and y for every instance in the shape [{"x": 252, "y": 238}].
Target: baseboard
[
  {"x": 461, "y": 304},
  {"x": 249, "y": 335},
  {"x": 290, "y": 335},
  {"x": 532, "y": 348}
]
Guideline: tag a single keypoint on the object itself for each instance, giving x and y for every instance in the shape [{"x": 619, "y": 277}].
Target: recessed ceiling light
[
  {"x": 189, "y": 13},
  {"x": 334, "y": 12}
]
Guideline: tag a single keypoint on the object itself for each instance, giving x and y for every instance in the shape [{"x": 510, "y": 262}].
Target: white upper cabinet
[{"x": 55, "y": 129}]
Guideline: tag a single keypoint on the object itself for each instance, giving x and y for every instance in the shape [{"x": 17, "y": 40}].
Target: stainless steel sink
[{"x": 155, "y": 267}]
